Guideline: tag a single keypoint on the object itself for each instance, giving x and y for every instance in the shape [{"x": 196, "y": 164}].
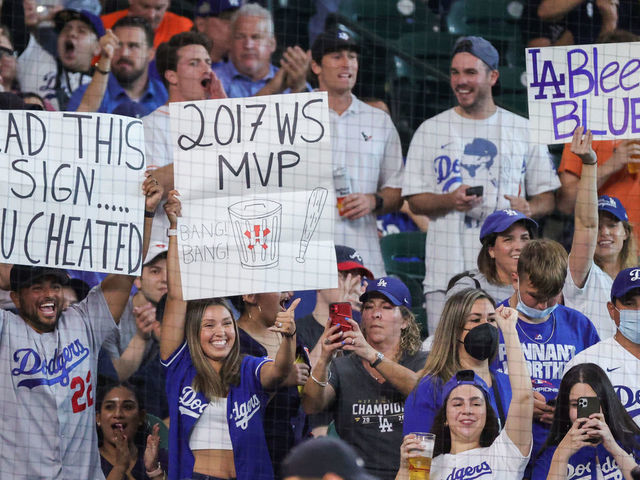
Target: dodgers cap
[
  {"x": 392, "y": 288},
  {"x": 625, "y": 281},
  {"x": 480, "y": 48},
  {"x": 463, "y": 377},
  {"x": 501, "y": 220},
  {"x": 613, "y": 206}
]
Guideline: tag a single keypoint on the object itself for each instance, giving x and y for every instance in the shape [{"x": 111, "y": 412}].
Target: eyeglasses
[{"x": 7, "y": 51}]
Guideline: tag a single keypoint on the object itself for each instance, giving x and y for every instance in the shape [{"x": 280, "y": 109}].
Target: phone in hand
[
  {"x": 338, "y": 313},
  {"x": 586, "y": 407},
  {"x": 477, "y": 191}
]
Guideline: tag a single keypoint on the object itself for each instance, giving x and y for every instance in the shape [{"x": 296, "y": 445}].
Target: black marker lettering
[
  {"x": 6, "y": 254},
  {"x": 67, "y": 190},
  {"x": 282, "y": 165},
  {"x": 26, "y": 237},
  {"x": 236, "y": 173},
  {"x": 87, "y": 244},
  {"x": 285, "y": 127},
  {"x": 14, "y": 166},
  {"x": 88, "y": 190},
  {"x": 231, "y": 122},
  {"x": 194, "y": 143},
  {"x": 79, "y": 135},
  {"x": 16, "y": 134},
  {"x": 43, "y": 130},
  {"x": 313, "y": 119},
  {"x": 258, "y": 122},
  {"x": 68, "y": 241},
  {"x": 133, "y": 147}
]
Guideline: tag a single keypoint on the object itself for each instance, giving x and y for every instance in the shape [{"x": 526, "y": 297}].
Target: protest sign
[
  {"x": 594, "y": 86},
  {"x": 255, "y": 179},
  {"x": 70, "y": 190}
]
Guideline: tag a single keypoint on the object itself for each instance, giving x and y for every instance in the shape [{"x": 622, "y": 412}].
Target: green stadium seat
[
  {"x": 403, "y": 255},
  {"x": 512, "y": 93},
  {"x": 164, "y": 430}
]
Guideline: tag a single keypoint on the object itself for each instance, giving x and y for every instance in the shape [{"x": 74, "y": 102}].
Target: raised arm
[
  {"x": 93, "y": 95},
  {"x": 520, "y": 416},
  {"x": 585, "y": 233},
  {"x": 116, "y": 288},
  {"x": 176, "y": 308},
  {"x": 274, "y": 374},
  {"x": 318, "y": 394},
  {"x": 128, "y": 363}
]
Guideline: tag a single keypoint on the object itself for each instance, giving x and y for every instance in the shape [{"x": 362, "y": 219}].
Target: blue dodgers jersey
[
  {"x": 547, "y": 348},
  {"x": 424, "y": 401},
  {"x": 582, "y": 465},
  {"x": 246, "y": 403}
]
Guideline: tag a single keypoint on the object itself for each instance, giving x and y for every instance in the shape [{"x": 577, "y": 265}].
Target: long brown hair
[
  {"x": 628, "y": 256},
  {"x": 207, "y": 380},
  {"x": 444, "y": 361}
]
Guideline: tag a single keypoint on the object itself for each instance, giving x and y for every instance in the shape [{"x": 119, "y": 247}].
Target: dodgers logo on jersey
[
  {"x": 243, "y": 412},
  {"x": 48, "y": 372},
  {"x": 629, "y": 398},
  {"x": 469, "y": 473},
  {"x": 189, "y": 403}
]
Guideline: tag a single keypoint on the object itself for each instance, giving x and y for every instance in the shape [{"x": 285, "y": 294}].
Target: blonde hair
[
  {"x": 207, "y": 380},
  {"x": 444, "y": 361}
]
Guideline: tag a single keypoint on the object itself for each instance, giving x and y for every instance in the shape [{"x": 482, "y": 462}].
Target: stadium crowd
[{"x": 119, "y": 377}]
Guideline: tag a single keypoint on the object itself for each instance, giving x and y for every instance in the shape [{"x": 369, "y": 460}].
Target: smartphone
[
  {"x": 477, "y": 191},
  {"x": 587, "y": 406},
  {"x": 338, "y": 313}
]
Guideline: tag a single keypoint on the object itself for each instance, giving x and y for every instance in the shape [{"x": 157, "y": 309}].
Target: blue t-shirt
[
  {"x": 425, "y": 400},
  {"x": 548, "y": 347},
  {"x": 154, "y": 96},
  {"x": 582, "y": 464},
  {"x": 237, "y": 85},
  {"x": 245, "y": 407}
]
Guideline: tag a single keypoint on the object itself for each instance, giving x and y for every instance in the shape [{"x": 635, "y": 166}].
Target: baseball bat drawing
[{"x": 315, "y": 205}]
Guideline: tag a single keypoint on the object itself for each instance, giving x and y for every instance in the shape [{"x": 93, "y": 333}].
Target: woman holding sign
[
  {"x": 216, "y": 395},
  {"x": 592, "y": 434}
]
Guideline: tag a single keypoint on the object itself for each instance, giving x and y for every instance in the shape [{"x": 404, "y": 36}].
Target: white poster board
[
  {"x": 595, "y": 86},
  {"x": 256, "y": 186},
  {"x": 70, "y": 188}
]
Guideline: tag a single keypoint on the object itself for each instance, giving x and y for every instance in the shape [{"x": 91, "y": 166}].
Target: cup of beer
[
  {"x": 420, "y": 463},
  {"x": 634, "y": 167}
]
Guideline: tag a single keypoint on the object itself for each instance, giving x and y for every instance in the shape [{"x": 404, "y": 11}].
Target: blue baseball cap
[
  {"x": 463, "y": 377},
  {"x": 480, "y": 48},
  {"x": 213, "y": 8},
  {"x": 349, "y": 259},
  {"x": 613, "y": 206},
  {"x": 392, "y": 288},
  {"x": 625, "y": 281},
  {"x": 501, "y": 220},
  {"x": 63, "y": 16}
]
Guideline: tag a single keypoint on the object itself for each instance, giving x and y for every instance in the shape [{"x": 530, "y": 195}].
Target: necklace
[{"x": 536, "y": 341}]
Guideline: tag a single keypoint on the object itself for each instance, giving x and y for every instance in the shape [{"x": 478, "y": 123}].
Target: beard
[
  {"x": 36, "y": 322},
  {"x": 126, "y": 78}
]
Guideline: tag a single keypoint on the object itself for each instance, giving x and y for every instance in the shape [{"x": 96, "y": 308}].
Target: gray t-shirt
[
  {"x": 47, "y": 391},
  {"x": 369, "y": 415}
]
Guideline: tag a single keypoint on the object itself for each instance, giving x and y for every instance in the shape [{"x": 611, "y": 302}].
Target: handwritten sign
[
  {"x": 255, "y": 178},
  {"x": 595, "y": 86},
  {"x": 70, "y": 190}
]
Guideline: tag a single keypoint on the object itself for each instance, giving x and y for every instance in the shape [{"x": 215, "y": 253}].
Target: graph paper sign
[
  {"x": 595, "y": 86},
  {"x": 70, "y": 188},
  {"x": 256, "y": 185}
]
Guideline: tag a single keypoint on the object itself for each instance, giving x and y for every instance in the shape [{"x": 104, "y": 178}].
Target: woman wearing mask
[
  {"x": 469, "y": 443},
  {"x": 603, "y": 243},
  {"x": 606, "y": 444},
  {"x": 466, "y": 339}
]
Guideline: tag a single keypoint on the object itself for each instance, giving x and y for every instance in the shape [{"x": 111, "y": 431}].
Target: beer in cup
[{"x": 420, "y": 465}]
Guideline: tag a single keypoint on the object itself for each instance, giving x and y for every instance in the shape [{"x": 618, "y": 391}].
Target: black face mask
[{"x": 482, "y": 341}]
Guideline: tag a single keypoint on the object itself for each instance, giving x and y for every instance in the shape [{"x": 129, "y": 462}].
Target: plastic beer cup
[{"x": 420, "y": 465}]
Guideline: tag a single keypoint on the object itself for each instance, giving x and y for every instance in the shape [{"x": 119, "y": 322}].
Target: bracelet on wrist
[
  {"x": 156, "y": 473},
  {"x": 289, "y": 335},
  {"x": 322, "y": 384},
  {"x": 99, "y": 70},
  {"x": 148, "y": 214}
]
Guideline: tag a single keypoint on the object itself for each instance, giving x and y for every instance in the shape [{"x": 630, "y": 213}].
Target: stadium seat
[
  {"x": 512, "y": 91},
  {"x": 403, "y": 254},
  {"x": 492, "y": 19},
  {"x": 164, "y": 430}
]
